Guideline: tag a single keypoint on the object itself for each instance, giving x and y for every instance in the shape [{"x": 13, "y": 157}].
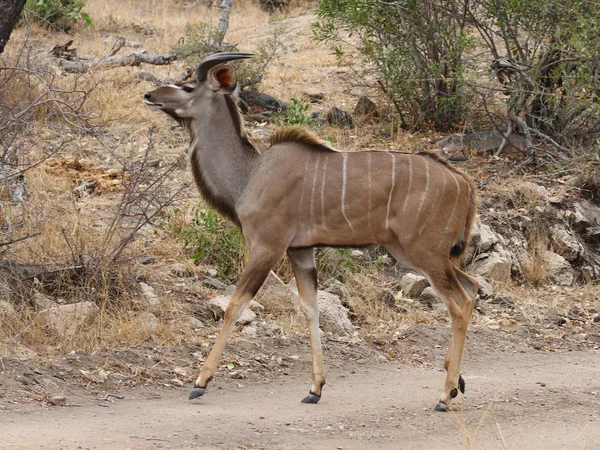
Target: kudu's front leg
[
  {"x": 262, "y": 259},
  {"x": 305, "y": 271}
]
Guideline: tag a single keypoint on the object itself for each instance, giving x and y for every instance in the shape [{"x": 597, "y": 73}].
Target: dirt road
[{"x": 532, "y": 401}]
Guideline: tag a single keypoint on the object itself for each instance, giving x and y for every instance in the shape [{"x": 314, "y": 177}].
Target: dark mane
[
  {"x": 239, "y": 124},
  {"x": 300, "y": 136}
]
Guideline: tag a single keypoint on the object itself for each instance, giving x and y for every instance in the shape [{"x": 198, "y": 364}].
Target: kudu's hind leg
[
  {"x": 305, "y": 271},
  {"x": 460, "y": 306},
  {"x": 262, "y": 259},
  {"x": 471, "y": 286}
]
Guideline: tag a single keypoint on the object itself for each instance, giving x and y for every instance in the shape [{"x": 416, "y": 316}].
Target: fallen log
[{"x": 65, "y": 57}]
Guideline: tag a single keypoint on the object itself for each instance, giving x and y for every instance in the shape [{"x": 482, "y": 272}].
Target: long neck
[{"x": 222, "y": 158}]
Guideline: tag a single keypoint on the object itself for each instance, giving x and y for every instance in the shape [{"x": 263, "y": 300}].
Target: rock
[
  {"x": 429, "y": 296},
  {"x": 366, "y": 108},
  {"x": 212, "y": 283},
  {"x": 212, "y": 273},
  {"x": 481, "y": 142},
  {"x": 58, "y": 400},
  {"x": 220, "y": 306},
  {"x": 593, "y": 235},
  {"x": 586, "y": 215},
  {"x": 565, "y": 243},
  {"x": 313, "y": 95},
  {"x": 276, "y": 297},
  {"x": 258, "y": 101},
  {"x": 147, "y": 321},
  {"x": 194, "y": 323},
  {"x": 229, "y": 290},
  {"x": 249, "y": 330},
  {"x": 67, "y": 319},
  {"x": 412, "y": 285},
  {"x": 146, "y": 259},
  {"x": 357, "y": 254},
  {"x": 487, "y": 238},
  {"x": 43, "y": 302},
  {"x": 179, "y": 270},
  {"x": 485, "y": 289},
  {"x": 149, "y": 293},
  {"x": 336, "y": 287},
  {"x": 559, "y": 269},
  {"x": 493, "y": 266},
  {"x": 268, "y": 329},
  {"x": 7, "y": 309},
  {"x": 333, "y": 317},
  {"x": 531, "y": 193},
  {"x": 336, "y": 116}
]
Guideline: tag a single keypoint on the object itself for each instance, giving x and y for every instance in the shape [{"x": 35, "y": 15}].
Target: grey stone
[
  {"x": 147, "y": 321},
  {"x": 149, "y": 293},
  {"x": 212, "y": 273},
  {"x": 493, "y": 266},
  {"x": 565, "y": 243},
  {"x": 365, "y": 107},
  {"x": 412, "y": 285},
  {"x": 429, "y": 296},
  {"x": 485, "y": 289},
  {"x": 215, "y": 284},
  {"x": 333, "y": 317},
  {"x": 560, "y": 271},
  {"x": 146, "y": 259},
  {"x": 68, "y": 319},
  {"x": 179, "y": 269},
  {"x": 194, "y": 323},
  {"x": 220, "y": 306},
  {"x": 313, "y": 95},
  {"x": 357, "y": 254},
  {"x": 249, "y": 330},
  {"x": 336, "y": 116},
  {"x": 586, "y": 215},
  {"x": 229, "y": 290}
]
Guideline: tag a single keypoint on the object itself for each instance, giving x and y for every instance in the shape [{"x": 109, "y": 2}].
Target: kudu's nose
[{"x": 147, "y": 95}]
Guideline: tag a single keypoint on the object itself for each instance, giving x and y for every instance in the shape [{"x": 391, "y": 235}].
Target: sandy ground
[{"x": 513, "y": 400}]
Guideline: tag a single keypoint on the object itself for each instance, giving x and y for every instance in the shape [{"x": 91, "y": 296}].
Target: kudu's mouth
[{"x": 152, "y": 105}]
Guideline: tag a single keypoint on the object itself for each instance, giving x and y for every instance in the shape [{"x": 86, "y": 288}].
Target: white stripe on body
[
  {"x": 323, "y": 192},
  {"x": 410, "y": 175},
  {"x": 387, "y": 217},
  {"x": 312, "y": 193},
  {"x": 345, "y": 157},
  {"x": 425, "y": 192},
  {"x": 369, "y": 193}
]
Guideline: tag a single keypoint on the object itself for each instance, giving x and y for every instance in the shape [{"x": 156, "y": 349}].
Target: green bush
[
  {"x": 294, "y": 114},
  {"x": 59, "y": 14},
  {"x": 211, "y": 240},
  {"x": 414, "y": 48},
  {"x": 203, "y": 39}
]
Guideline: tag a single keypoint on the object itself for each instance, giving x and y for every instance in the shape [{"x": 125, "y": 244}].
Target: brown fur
[{"x": 300, "y": 136}]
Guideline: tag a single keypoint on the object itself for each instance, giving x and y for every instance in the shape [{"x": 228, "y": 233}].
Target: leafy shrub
[
  {"x": 204, "y": 39},
  {"x": 211, "y": 240},
  {"x": 59, "y": 14},
  {"x": 294, "y": 114},
  {"x": 415, "y": 48}
]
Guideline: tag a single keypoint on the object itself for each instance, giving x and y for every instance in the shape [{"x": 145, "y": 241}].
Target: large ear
[{"x": 222, "y": 78}]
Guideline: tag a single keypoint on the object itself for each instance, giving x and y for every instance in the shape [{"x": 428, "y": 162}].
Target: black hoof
[
  {"x": 453, "y": 393},
  {"x": 197, "y": 392},
  {"x": 311, "y": 398},
  {"x": 461, "y": 384},
  {"x": 441, "y": 407}
]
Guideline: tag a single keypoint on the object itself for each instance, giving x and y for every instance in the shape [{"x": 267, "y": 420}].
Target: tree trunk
[
  {"x": 224, "y": 19},
  {"x": 10, "y": 12}
]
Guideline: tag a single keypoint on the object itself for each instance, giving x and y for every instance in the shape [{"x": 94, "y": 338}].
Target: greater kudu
[{"x": 300, "y": 194}]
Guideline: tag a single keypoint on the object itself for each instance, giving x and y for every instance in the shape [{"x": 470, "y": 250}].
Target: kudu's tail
[{"x": 459, "y": 247}]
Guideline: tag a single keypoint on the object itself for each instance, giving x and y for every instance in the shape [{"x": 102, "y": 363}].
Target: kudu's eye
[{"x": 188, "y": 89}]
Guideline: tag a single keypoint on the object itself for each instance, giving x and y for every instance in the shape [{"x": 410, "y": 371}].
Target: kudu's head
[{"x": 183, "y": 100}]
